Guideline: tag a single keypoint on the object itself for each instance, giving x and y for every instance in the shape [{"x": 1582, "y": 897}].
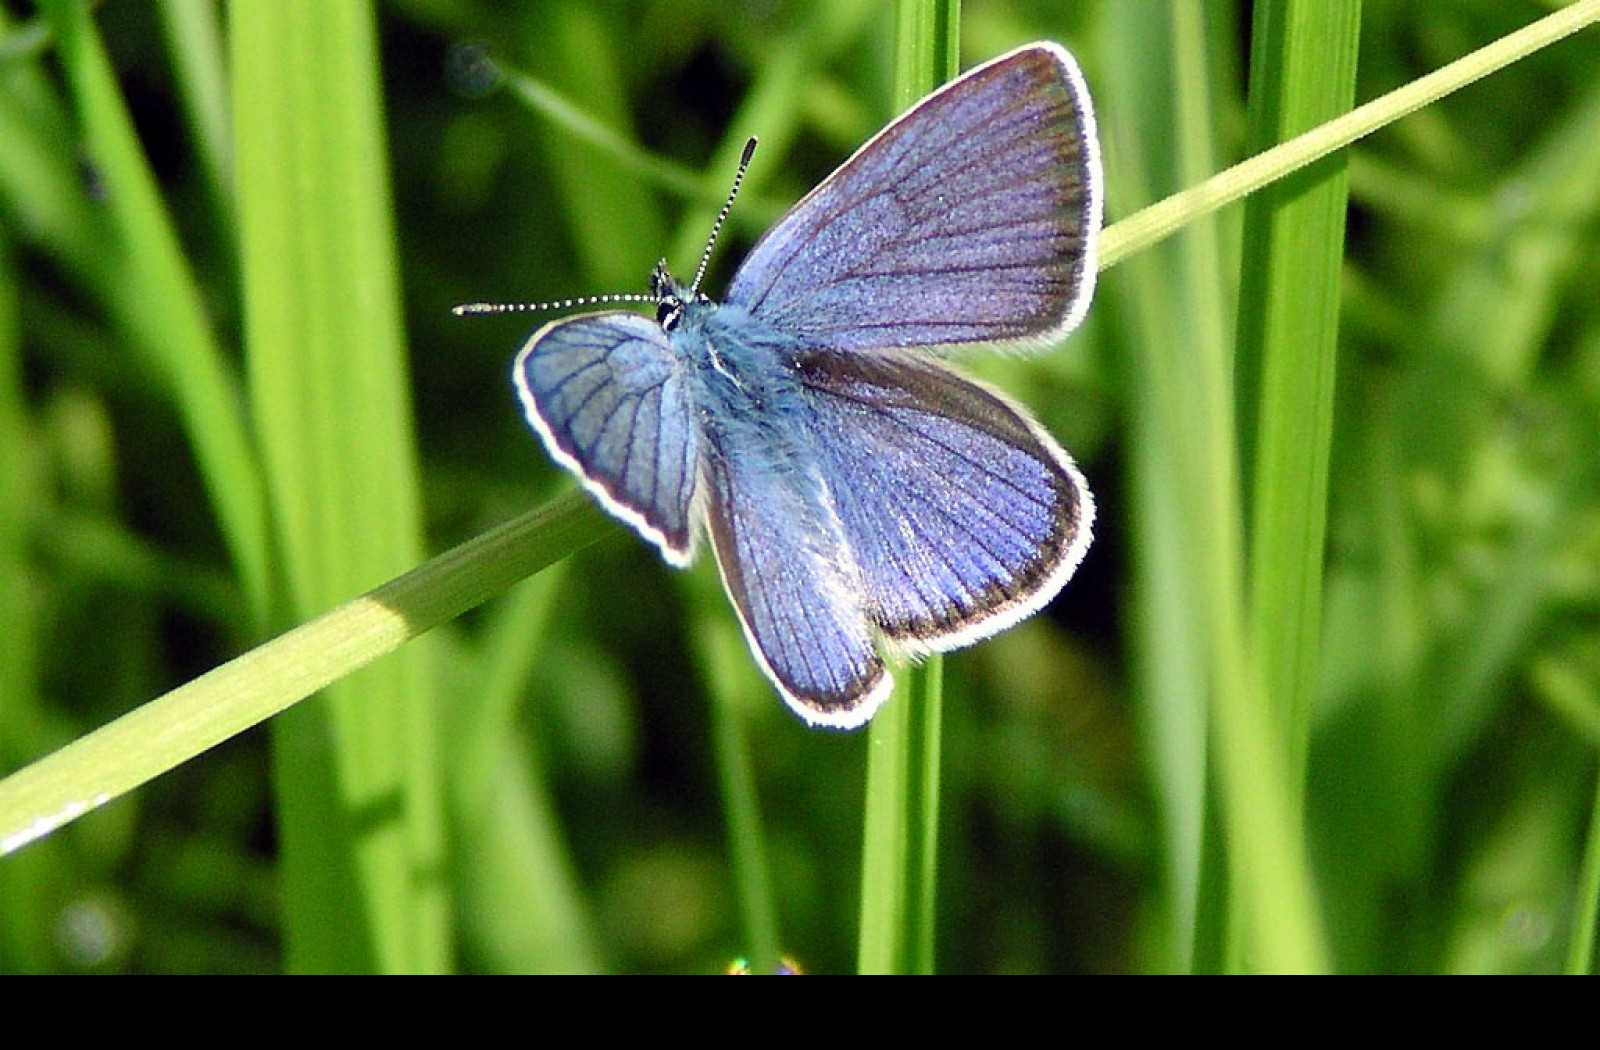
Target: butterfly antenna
[
  {"x": 473, "y": 309},
  {"x": 466, "y": 309},
  {"x": 722, "y": 216}
]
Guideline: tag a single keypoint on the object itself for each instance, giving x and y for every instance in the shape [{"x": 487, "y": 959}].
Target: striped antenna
[
  {"x": 474, "y": 309},
  {"x": 466, "y": 309},
  {"x": 722, "y": 216}
]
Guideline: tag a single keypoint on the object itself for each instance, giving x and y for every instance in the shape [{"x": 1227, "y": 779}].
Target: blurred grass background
[{"x": 561, "y": 767}]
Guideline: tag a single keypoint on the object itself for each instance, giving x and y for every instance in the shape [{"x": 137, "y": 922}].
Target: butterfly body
[
  {"x": 744, "y": 373},
  {"x": 856, "y": 490}
]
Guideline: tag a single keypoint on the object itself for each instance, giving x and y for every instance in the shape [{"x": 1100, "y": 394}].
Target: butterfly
[{"x": 856, "y": 490}]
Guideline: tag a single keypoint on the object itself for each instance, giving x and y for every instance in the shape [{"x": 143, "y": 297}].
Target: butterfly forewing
[
  {"x": 972, "y": 218},
  {"x": 609, "y": 396},
  {"x": 962, "y": 514}
]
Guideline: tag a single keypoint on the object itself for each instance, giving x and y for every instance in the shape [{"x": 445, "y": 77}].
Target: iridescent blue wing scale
[
  {"x": 611, "y": 400},
  {"x": 972, "y": 218},
  {"x": 962, "y": 515}
]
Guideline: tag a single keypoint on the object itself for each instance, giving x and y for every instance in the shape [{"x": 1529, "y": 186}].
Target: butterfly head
[{"x": 671, "y": 296}]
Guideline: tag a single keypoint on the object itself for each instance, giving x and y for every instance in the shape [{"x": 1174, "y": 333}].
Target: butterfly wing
[
  {"x": 795, "y": 587},
  {"x": 972, "y": 218},
  {"x": 610, "y": 397},
  {"x": 963, "y": 516}
]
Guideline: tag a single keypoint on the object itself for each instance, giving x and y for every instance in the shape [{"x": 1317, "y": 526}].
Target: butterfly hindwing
[
  {"x": 961, "y": 514},
  {"x": 610, "y": 397},
  {"x": 971, "y": 218},
  {"x": 796, "y": 590}
]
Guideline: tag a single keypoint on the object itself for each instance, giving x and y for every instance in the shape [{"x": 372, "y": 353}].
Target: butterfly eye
[
  {"x": 668, "y": 311},
  {"x": 668, "y": 296}
]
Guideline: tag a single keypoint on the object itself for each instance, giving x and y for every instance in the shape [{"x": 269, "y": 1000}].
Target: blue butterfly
[{"x": 854, "y": 487}]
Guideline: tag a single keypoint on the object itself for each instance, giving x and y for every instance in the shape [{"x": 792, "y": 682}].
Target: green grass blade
[
  {"x": 899, "y": 864},
  {"x": 1303, "y": 66},
  {"x": 1160, "y": 220},
  {"x": 1170, "y": 298},
  {"x": 583, "y": 126},
  {"x": 900, "y": 846},
  {"x": 1303, "y": 73},
  {"x": 1581, "y": 953},
  {"x": 723, "y": 653},
  {"x": 247, "y": 690},
  {"x": 1268, "y": 884},
  {"x": 155, "y": 294},
  {"x": 196, "y": 44},
  {"x": 41, "y": 174},
  {"x": 24, "y": 888},
  {"x": 357, "y": 777},
  {"x": 522, "y": 904},
  {"x": 1187, "y": 472}
]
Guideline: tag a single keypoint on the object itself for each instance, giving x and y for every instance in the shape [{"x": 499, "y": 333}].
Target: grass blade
[
  {"x": 155, "y": 293},
  {"x": 249, "y": 689},
  {"x": 899, "y": 864},
  {"x": 360, "y": 810}
]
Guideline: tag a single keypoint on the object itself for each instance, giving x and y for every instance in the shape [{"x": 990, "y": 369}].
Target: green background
[{"x": 194, "y": 458}]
